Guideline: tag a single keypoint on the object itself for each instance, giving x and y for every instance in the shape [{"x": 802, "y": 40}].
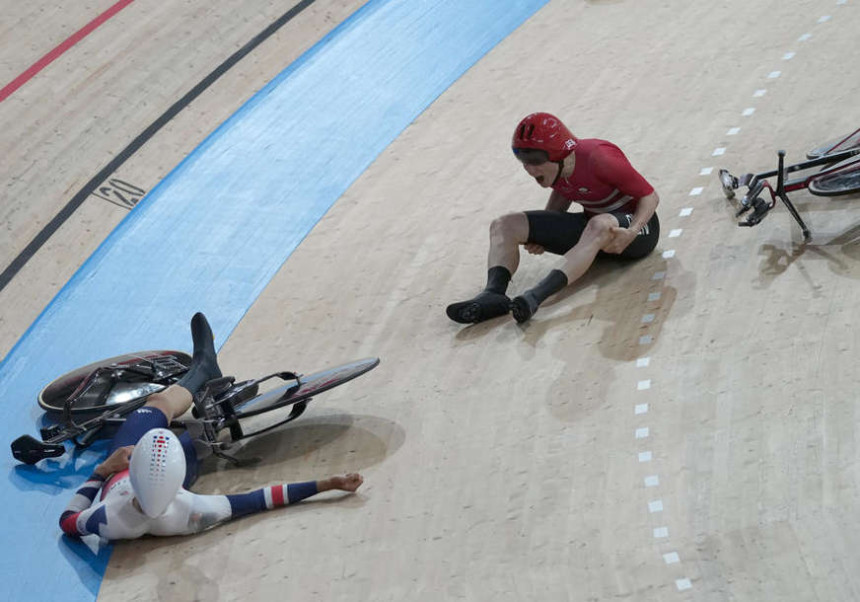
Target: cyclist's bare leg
[
  {"x": 173, "y": 401},
  {"x": 597, "y": 235},
  {"x": 176, "y": 399},
  {"x": 507, "y": 233}
]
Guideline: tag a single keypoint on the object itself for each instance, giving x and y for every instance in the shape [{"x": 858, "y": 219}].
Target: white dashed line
[
  {"x": 652, "y": 481},
  {"x": 653, "y": 297},
  {"x": 696, "y": 191},
  {"x": 774, "y": 74},
  {"x": 759, "y": 93},
  {"x": 647, "y": 318},
  {"x": 643, "y": 361},
  {"x": 661, "y": 532},
  {"x": 685, "y": 212},
  {"x": 733, "y": 132},
  {"x": 642, "y": 433},
  {"x": 706, "y": 171},
  {"x": 718, "y": 151},
  {"x": 675, "y": 233},
  {"x": 671, "y": 558},
  {"x": 645, "y": 339},
  {"x": 655, "y": 506},
  {"x": 645, "y": 456},
  {"x": 824, "y": 19},
  {"x": 788, "y": 56},
  {"x": 669, "y": 254},
  {"x": 643, "y": 385},
  {"x": 748, "y": 111},
  {"x": 658, "y": 276},
  {"x": 683, "y": 584},
  {"x": 804, "y": 37},
  {"x": 641, "y": 408}
]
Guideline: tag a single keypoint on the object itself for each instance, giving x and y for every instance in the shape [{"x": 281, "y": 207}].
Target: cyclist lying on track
[
  {"x": 619, "y": 217},
  {"x": 142, "y": 485}
]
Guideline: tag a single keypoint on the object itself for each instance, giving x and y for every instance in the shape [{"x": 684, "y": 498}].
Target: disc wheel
[
  {"x": 830, "y": 146},
  {"x": 844, "y": 179}
]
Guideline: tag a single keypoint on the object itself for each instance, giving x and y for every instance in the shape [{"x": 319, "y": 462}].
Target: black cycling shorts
[{"x": 558, "y": 232}]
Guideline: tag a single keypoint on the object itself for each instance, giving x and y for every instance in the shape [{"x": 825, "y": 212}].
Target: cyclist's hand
[
  {"x": 533, "y": 248},
  {"x": 621, "y": 239},
  {"x": 116, "y": 462}
]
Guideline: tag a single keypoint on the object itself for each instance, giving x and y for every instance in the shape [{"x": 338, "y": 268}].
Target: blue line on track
[{"x": 214, "y": 232}]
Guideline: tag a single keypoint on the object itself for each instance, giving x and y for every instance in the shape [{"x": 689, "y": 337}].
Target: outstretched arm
[
  {"x": 84, "y": 496},
  {"x": 276, "y": 496}
]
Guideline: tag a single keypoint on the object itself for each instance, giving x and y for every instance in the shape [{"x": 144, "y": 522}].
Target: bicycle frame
[
  {"x": 222, "y": 405},
  {"x": 758, "y": 183}
]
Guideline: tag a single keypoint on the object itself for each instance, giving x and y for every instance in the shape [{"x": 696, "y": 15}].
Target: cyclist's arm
[
  {"x": 75, "y": 518},
  {"x": 269, "y": 498},
  {"x": 72, "y": 520},
  {"x": 193, "y": 513},
  {"x": 645, "y": 209},
  {"x": 557, "y": 202},
  {"x": 610, "y": 165}
]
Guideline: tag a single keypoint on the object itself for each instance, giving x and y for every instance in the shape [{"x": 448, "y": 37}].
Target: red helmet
[{"x": 545, "y": 132}]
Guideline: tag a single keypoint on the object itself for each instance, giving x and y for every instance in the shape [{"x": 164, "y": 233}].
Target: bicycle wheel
[
  {"x": 113, "y": 381},
  {"x": 843, "y": 179},
  {"x": 312, "y": 384},
  {"x": 853, "y": 141}
]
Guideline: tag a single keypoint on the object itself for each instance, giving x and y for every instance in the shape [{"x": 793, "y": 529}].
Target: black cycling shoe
[
  {"x": 485, "y": 306},
  {"x": 524, "y": 307}
]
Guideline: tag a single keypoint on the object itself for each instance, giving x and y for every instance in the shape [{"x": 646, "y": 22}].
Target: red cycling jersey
[{"x": 603, "y": 179}]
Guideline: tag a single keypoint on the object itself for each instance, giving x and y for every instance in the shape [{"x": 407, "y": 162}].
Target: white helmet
[{"x": 156, "y": 470}]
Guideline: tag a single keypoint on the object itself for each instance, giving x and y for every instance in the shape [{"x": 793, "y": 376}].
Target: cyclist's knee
[
  {"x": 511, "y": 226},
  {"x": 600, "y": 226}
]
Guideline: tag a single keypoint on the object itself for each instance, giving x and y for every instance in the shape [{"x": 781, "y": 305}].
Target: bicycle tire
[
  {"x": 310, "y": 385},
  {"x": 827, "y": 147},
  {"x": 844, "y": 179},
  {"x": 53, "y": 396}
]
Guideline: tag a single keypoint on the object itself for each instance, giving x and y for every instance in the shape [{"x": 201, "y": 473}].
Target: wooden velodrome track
[{"x": 682, "y": 428}]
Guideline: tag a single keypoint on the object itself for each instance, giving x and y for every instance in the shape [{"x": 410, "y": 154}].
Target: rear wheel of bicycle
[
  {"x": 830, "y": 146},
  {"x": 119, "y": 380},
  {"x": 844, "y": 179}
]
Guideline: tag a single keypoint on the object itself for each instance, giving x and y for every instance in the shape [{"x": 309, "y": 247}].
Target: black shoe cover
[
  {"x": 204, "y": 362},
  {"x": 524, "y": 307},
  {"x": 485, "y": 306}
]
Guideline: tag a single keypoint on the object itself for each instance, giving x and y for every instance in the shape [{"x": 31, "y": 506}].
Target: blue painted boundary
[{"x": 214, "y": 232}]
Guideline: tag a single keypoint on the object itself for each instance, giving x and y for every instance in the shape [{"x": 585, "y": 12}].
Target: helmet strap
[{"x": 560, "y": 169}]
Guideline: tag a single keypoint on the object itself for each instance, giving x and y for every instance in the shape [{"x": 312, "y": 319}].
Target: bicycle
[
  {"x": 92, "y": 401},
  {"x": 840, "y": 174}
]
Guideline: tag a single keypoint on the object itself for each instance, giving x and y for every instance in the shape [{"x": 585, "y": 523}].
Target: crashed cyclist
[
  {"x": 618, "y": 217},
  {"x": 142, "y": 487}
]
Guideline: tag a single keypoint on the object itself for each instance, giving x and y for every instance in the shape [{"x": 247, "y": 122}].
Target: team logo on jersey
[{"x": 569, "y": 143}]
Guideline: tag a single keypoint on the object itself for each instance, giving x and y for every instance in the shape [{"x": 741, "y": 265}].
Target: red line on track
[{"x": 56, "y": 52}]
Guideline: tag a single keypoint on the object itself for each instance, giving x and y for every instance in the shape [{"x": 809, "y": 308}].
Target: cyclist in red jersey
[{"x": 618, "y": 217}]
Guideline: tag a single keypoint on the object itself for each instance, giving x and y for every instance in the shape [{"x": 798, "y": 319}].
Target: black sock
[
  {"x": 498, "y": 278},
  {"x": 554, "y": 282}
]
